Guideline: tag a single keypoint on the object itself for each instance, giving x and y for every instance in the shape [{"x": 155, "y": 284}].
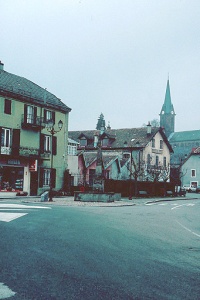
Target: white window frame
[
  {"x": 30, "y": 114},
  {"x": 72, "y": 149},
  {"x": 48, "y": 115},
  {"x": 46, "y": 177},
  {"x": 161, "y": 144},
  {"x": 47, "y": 143},
  {"x": 5, "y": 137}
]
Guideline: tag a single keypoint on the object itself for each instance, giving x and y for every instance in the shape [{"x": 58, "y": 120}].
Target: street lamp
[{"x": 50, "y": 128}]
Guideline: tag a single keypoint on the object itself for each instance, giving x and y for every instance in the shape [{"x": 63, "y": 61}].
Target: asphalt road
[{"x": 137, "y": 252}]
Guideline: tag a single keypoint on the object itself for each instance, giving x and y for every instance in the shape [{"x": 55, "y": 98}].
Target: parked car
[
  {"x": 198, "y": 189},
  {"x": 190, "y": 188},
  {"x": 180, "y": 191}
]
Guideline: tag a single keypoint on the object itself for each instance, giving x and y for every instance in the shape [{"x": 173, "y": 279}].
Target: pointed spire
[{"x": 167, "y": 107}]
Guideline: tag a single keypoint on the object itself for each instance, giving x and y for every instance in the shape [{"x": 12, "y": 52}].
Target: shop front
[{"x": 14, "y": 175}]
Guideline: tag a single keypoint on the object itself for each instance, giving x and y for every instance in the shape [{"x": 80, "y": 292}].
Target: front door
[{"x": 33, "y": 183}]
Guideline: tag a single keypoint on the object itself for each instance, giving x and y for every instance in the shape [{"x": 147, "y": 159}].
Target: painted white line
[
  {"x": 178, "y": 206},
  {"x": 188, "y": 229},
  {"x": 5, "y": 292},
  {"x": 7, "y": 217},
  {"x": 22, "y": 206}
]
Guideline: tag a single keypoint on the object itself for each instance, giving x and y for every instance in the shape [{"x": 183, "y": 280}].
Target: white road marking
[
  {"x": 10, "y": 216},
  {"x": 178, "y": 206},
  {"x": 188, "y": 229},
  {"x": 5, "y": 292},
  {"x": 22, "y": 206},
  {"x": 7, "y": 217}
]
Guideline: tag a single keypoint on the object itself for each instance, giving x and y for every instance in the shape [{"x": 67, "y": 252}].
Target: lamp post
[{"x": 50, "y": 128}]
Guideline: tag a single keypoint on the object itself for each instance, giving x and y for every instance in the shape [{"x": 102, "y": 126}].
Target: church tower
[{"x": 167, "y": 114}]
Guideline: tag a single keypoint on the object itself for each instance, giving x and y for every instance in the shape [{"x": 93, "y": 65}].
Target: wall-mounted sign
[
  {"x": 33, "y": 164},
  {"x": 13, "y": 162}
]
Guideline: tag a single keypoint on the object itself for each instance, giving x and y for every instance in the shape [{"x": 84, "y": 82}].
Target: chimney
[
  {"x": 1, "y": 65},
  {"x": 108, "y": 128},
  {"x": 149, "y": 128}
]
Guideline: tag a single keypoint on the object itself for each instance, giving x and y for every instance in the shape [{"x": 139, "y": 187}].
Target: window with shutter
[
  {"x": 7, "y": 106},
  {"x": 16, "y": 141}
]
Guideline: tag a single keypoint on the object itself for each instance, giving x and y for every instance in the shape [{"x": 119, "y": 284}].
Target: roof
[
  {"x": 118, "y": 137},
  {"x": 22, "y": 88},
  {"x": 72, "y": 141},
  {"x": 91, "y": 157},
  {"x": 182, "y": 136}
]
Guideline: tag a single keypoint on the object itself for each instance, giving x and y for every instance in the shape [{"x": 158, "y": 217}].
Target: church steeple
[{"x": 167, "y": 114}]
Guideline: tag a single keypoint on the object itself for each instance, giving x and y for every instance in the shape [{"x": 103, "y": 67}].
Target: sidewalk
[{"x": 69, "y": 201}]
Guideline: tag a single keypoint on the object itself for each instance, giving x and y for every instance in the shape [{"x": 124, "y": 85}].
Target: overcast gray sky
[{"x": 109, "y": 56}]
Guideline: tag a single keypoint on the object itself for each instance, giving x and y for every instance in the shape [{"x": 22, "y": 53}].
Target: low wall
[
  {"x": 7, "y": 194},
  {"x": 96, "y": 197}
]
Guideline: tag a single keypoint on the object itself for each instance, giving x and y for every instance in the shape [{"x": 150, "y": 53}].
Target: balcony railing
[
  {"x": 28, "y": 151},
  {"x": 5, "y": 150},
  {"x": 32, "y": 122}
]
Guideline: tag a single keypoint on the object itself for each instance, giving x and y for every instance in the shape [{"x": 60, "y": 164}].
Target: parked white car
[{"x": 190, "y": 188}]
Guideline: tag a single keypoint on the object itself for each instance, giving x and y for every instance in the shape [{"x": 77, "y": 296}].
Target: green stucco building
[{"x": 30, "y": 156}]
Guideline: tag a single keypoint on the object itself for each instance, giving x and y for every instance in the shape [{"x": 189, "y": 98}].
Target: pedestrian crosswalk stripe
[
  {"x": 3, "y": 205},
  {"x": 5, "y": 292},
  {"x": 6, "y": 216}
]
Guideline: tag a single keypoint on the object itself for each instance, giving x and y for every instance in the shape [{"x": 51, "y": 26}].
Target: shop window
[{"x": 7, "y": 107}]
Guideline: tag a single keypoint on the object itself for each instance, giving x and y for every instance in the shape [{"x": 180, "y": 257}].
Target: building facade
[
  {"x": 137, "y": 152},
  {"x": 190, "y": 169},
  {"x": 29, "y": 155}
]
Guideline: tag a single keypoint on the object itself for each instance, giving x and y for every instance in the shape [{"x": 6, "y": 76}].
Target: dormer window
[
  {"x": 105, "y": 142},
  {"x": 83, "y": 142}
]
